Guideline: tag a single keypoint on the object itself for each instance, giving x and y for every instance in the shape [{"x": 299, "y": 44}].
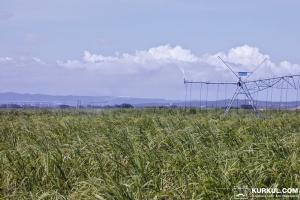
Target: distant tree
[
  {"x": 246, "y": 106},
  {"x": 124, "y": 105},
  {"x": 64, "y": 106},
  {"x": 127, "y": 105}
]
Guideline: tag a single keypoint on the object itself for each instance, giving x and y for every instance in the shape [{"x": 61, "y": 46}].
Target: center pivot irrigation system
[{"x": 272, "y": 89}]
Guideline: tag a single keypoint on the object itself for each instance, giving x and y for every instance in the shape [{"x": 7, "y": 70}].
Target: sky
[{"x": 142, "y": 48}]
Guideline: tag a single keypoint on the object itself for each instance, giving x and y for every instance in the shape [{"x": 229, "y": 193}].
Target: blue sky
[{"x": 135, "y": 47}]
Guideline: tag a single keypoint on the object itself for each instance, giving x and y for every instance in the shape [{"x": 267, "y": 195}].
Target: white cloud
[
  {"x": 5, "y": 59},
  {"x": 71, "y": 64},
  {"x": 93, "y": 58},
  {"x": 246, "y": 55},
  {"x": 247, "y": 58},
  {"x": 202, "y": 67},
  {"x": 164, "y": 54},
  {"x": 38, "y": 60},
  {"x": 156, "y": 72},
  {"x": 149, "y": 60},
  {"x": 241, "y": 58}
]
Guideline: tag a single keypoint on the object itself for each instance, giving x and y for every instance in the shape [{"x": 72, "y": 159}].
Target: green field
[{"x": 144, "y": 154}]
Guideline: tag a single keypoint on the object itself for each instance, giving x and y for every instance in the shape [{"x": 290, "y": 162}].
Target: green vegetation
[{"x": 144, "y": 154}]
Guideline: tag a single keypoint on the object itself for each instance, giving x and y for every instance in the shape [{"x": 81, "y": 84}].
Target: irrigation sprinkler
[{"x": 249, "y": 89}]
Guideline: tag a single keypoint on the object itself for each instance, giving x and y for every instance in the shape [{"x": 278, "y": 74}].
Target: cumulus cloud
[
  {"x": 203, "y": 67},
  {"x": 239, "y": 57},
  {"x": 156, "y": 72},
  {"x": 93, "y": 58},
  {"x": 152, "y": 59},
  {"x": 163, "y": 54}
]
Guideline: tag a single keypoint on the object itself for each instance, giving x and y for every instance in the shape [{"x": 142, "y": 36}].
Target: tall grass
[{"x": 144, "y": 154}]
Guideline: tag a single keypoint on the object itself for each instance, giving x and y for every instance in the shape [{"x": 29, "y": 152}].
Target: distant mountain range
[
  {"x": 41, "y": 100},
  {"x": 53, "y": 100}
]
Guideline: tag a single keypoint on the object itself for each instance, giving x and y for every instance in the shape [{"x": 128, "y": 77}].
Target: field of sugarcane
[{"x": 144, "y": 154}]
